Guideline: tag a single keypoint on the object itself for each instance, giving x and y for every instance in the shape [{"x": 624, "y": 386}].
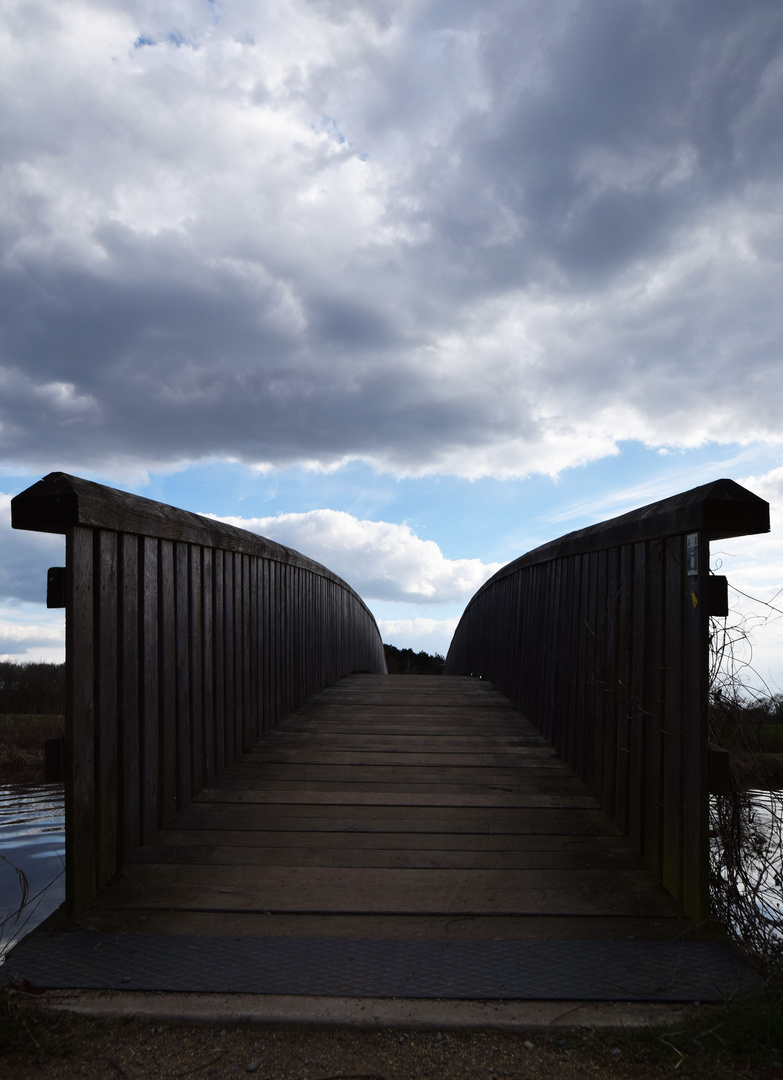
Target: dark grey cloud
[{"x": 436, "y": 236}]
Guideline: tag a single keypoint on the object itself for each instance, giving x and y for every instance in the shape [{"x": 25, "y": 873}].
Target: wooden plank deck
[{"x": 399, "y": 807}]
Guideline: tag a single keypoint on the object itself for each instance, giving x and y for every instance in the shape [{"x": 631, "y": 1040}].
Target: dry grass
[
  {"x": 762, "y": 772},
  {"x": 22, "y": 740}
]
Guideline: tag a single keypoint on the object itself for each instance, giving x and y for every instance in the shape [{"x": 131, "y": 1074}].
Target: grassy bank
[
  {"x": 22, "y": 738},
  {"x": 757, "y": 771}
]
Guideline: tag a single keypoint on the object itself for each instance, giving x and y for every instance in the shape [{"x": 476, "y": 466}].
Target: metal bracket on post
[
  {"x": 55, "y": 587},
  {"x": 719, "y": 771},
  {"x": 719, "y": 596}
]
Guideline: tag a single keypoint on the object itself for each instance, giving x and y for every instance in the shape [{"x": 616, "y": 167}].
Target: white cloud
[
  {"x": 474, "y": 239},
  {"x": 419, "y": 633},
  {"x": 28, "y": 632},
  {"x": 379, "y": 559}
]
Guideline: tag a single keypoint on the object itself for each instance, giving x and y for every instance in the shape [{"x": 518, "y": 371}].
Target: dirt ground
[{"x": 41, "y": 1045}]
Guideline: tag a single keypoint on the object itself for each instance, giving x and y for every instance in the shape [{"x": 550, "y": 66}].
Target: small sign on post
[{"x": 692, "y": 554}]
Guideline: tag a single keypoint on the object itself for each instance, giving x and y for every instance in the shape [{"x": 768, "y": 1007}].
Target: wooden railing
[
  {"x": 602, "y": 639},
  {"x": 185, "y": 639}
]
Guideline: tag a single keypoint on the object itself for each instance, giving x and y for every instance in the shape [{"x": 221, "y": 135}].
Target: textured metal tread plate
[{"x": 517, "y": 970}]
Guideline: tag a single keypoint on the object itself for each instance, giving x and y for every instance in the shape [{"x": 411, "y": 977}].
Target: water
[
  {"x": 32, "y": 840},
  {"x": 749, "y": 898},
  {"x": 768, "y": 821}
]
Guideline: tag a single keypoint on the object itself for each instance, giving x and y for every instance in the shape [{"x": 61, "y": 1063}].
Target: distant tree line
[
  {"x": 32, "y": 688},
  {"x": 408, "y": 662},
  {"x": 758, "y": 709}
]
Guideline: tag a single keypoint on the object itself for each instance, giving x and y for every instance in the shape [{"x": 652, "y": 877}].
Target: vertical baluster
[
  {"x": 219, "y": 657},
  {"x": 695, "y": 798},
  {"x": 182, "y": 636},
  {"x": 229, "y": 646},
  {"x": 150, "y": 683},
  {"x": 246, "y": 644},
  {"x": 195, "y": 661},
  {"x": 581, "y": 755},
  {"x": 623, "y": 700},
  {"x": 128, "y": 704},
  {"x": 80, "y": 868},
  {"x": 673, "y": 718},
  {"x": 107, "y": 788},
  {"x": 167, "y": 675},
  {"x": 208, "y": 662},
  {"x": 638, "y": 708},
  {"x": 655, "y": 666},
  {"x": 609, "y": 682}
]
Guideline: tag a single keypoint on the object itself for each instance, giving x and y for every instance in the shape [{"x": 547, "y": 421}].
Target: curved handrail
[
  {"x": 185, "y": 639},
  {"x": 602, "y": 639}
]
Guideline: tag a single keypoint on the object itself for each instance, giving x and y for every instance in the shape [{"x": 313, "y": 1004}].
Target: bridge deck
[
  {"x": 412, "y": 800},
  {"x": 395, "y": 810}
]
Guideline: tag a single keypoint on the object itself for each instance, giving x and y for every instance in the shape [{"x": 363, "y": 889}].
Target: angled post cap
[
  {"x": 732, "y": 510},
  {"x": 50, "y": 505}
]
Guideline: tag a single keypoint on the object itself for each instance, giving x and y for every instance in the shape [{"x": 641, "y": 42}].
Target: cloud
[
  {"x": 31, "y": 641},
  {"x": 30, "y": 632},
  {"x": 379, "y": 559},
  {"x": 25, "y": 558},
  {"x": 486, "y": 239},
  {"x": 420, "y": 634}
]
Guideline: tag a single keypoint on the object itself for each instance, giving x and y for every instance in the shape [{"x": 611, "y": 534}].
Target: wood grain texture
[
  {"x": 695, "y": 799},
  {"x": 80, "y": 835},
  {"x": 475, "y": 830},
  {"x": 673, "y": 722},
  {"x": 149, "y": 668},
  {"x": 185, "y": 639},
  {"x": 167, "y": 675},
  {"x": 128, "y": 698},
  {"x": 607, "y": 653},
  {"x": 184, "y": 703},
  {"x": 597, "y": 636},
  {"x": 106, "y": 734}
]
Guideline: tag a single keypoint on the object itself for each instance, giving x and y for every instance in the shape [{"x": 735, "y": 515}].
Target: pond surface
[
  {"x": 762, "y": 879},
  {"x": 32, "y": 843}
]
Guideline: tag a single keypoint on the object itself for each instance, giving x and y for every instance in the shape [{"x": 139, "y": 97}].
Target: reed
[{"x": 22, "y": 738}]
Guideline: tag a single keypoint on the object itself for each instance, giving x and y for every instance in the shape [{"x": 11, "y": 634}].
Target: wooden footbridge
[{"x": 253, "y": 804}]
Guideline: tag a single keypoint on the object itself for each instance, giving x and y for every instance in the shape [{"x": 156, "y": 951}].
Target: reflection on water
[
  {"x": 32, "y": 840},
  {"x": 766, "y": 821},
  {"x": 746, "y": 856}
]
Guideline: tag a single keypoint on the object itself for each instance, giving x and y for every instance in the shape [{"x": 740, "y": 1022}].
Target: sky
[{"x": 410, "y": 286}]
